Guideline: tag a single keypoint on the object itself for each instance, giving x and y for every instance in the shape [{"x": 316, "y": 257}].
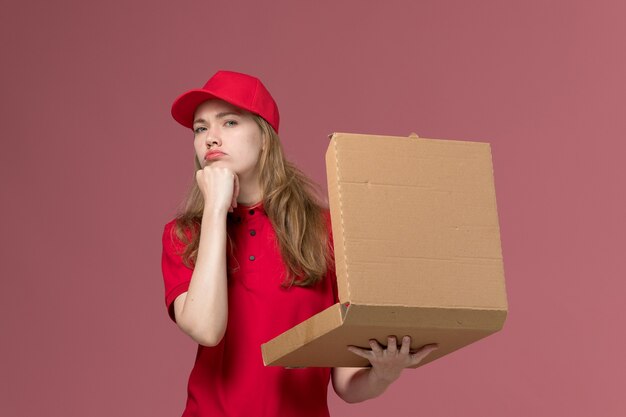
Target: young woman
[{"x": 248, "y": 257}]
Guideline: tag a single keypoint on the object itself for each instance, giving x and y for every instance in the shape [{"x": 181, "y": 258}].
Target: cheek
[
  {"x": 198, "y": 146},
  {"x": 249, "y": 148},
  {"x": 255, "y": 145},
  {"x": 254, "y": 151},
  {"x": 199, "y": 150}
]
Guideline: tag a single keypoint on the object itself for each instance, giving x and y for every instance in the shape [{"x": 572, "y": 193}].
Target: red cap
[{"x": 238, "y": 89}]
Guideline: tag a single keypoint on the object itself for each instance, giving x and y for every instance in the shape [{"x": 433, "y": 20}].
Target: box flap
[
  {"x": 322, "y": 340},
  {"x": 391, "y": 317},
  {"x": 415, "y": 222},
  {"x": 303, "y": 334}
]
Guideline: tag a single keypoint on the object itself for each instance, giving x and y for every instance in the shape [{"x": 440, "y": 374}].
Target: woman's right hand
[{"x": 219, "y": 187}]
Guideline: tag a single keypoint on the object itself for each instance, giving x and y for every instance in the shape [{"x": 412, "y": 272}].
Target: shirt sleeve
[{"x": 176, "y": 276}]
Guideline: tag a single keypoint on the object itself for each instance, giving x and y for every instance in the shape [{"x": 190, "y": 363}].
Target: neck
[{"x": 249, "y": 191}]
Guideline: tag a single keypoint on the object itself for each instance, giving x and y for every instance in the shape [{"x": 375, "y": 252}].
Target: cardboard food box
[{"x": 417, "y": 250}]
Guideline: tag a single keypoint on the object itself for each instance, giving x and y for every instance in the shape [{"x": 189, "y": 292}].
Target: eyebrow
[{"x": 219, "y": 116}]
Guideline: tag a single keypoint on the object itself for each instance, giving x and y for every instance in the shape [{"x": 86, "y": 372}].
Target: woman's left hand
[{"x": 388, "y": 363}]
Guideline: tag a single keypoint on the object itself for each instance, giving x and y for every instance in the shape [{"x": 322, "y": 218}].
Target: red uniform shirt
[{"x": 230, "y": 378}]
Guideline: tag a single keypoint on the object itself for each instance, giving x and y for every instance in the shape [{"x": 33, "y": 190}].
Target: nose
[
  {"x": 212, "y": 139},
  {"x": 211, "y": 142}
]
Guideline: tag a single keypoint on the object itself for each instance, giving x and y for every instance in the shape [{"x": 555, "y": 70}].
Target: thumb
[{"x": 418, "y": 356}]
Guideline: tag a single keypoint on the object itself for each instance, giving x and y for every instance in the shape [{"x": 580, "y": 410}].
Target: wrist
[
  {"x": 379, "y": 381},
  {"x": 214, "y": 213}
]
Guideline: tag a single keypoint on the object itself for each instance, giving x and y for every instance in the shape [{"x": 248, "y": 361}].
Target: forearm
[
  {"x": 205, "y": 312},
  {"x": 362, "y": 385}
]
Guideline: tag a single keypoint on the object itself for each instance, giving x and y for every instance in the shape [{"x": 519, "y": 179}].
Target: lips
[{"x": 213, "y": 155}]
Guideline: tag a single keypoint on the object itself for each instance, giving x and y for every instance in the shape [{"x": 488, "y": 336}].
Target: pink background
[{"x": 93, "y": 165}]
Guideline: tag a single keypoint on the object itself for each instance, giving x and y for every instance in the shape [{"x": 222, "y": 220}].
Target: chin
[{"x": 216, "y": 162}]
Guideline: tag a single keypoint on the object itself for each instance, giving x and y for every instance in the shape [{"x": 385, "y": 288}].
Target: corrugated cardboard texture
[
  {"x": 417, "y": 250},
  {"x": 421, "y": 209},
  {"x": 322, "y": 340}
]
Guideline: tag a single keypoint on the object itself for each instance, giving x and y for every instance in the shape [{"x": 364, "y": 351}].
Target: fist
[{"x": 219, "y": 187}]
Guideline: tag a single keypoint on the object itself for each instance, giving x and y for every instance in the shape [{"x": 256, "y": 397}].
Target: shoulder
[
  {"x": 172, "y": 233},
  {"x": 169, "y": 225},
  {"x": 169, "y": 235},
  {"x": 169, "y": 228}
]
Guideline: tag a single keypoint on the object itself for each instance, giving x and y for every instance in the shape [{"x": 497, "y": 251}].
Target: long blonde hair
[{"x": 291, "y": 202}]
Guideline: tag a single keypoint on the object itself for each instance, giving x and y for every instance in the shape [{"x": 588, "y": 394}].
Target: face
[{"x": 227, "y": 136}]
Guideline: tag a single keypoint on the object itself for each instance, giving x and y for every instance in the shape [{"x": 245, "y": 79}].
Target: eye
[
  {"x": 198, "y": 129},
  {"x": 231, "y": 123}
]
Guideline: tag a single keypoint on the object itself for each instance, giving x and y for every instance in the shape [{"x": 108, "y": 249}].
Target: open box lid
[
  {"x": 414, "y": 222},
  {"x": 417, "y": 250}
]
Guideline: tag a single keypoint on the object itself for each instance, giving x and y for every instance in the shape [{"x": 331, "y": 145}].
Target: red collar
[{"x": 242, "y": 209}]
